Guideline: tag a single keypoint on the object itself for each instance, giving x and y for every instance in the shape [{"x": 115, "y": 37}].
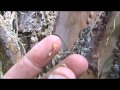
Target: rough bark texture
[
  {"x": 94, "y": 35},
  {"x": 9, "y": 48}
]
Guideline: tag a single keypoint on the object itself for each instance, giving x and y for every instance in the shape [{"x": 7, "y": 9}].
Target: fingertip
[
  {"x": 77, "y": 63},
  {"x": 44, "y": 50},
  {"x": 54, "y": 38}
]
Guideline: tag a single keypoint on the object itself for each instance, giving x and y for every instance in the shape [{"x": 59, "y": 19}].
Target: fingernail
[{"x": 56, "y": 76}]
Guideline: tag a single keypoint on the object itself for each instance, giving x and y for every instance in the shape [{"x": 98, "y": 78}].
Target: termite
[
  {"x": 64, "y": 65},
  {"x": 54, "y": 46}
]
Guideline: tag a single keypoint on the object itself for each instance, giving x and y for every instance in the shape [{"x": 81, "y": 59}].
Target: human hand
[{"x": 40, "y": 55}]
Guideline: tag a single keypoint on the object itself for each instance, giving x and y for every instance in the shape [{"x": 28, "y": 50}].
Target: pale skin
[{"x": 40, "y": 55}]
